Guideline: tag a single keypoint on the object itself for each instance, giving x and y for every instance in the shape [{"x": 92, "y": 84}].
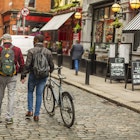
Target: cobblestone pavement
[{"x": 96, "y": 119}]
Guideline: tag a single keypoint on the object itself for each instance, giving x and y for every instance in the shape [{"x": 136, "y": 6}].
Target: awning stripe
[
  {"x": 56, "y": 22},
  {"x": 133, "y": 25}
]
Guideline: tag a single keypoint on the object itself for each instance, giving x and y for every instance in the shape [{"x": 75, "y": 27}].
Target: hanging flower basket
[
  {"x": 117, "y": 23},
  {"x": 77, "y": 28}
]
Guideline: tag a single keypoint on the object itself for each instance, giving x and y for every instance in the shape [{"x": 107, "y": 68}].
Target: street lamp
[
  {"x": 116, "y": 8},
  {"x": 135, "y": 4}
]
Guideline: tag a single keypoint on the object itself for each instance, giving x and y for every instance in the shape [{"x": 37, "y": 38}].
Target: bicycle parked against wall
[{"x": 62, "y": 99}]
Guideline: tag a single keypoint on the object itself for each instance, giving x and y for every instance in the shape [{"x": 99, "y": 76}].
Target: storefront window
[
  {"x": 108, "y": 31},
  {"x": 103, "y": 31},
  {"x": 106, "y": 14},
  {"x": 101, "y": 14},
  {"x": 99, "y": 31}
]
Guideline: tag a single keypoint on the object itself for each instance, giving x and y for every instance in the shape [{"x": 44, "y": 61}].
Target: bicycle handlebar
[{"x": 59, "y": 75}]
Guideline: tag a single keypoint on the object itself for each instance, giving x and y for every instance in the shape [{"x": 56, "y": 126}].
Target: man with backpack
[
  {"x": 39, "y": 63},
  {"x": 11, "y": 62}
]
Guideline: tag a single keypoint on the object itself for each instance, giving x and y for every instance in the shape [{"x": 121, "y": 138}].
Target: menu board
[
  {"x": 117, "y": 68},
  {"x": 135, "y": 72}
]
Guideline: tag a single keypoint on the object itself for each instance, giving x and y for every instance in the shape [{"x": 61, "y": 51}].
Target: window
[
  {"x": 103, "y": 31},
  {"x": 31, "y": 3}
]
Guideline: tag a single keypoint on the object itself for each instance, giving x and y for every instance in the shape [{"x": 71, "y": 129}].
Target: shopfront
[{"x": 105, "y": 37}]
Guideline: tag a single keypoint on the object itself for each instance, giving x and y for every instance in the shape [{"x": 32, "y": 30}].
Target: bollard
[
  {"x": 88, "y": 66},
  {"x": 59, "y": 59}
]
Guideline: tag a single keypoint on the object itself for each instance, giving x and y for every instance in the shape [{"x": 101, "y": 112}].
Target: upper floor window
[{"x": 31, "y": 3}]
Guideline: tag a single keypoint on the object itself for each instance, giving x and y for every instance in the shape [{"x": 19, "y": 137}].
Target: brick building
[{"x": 12, "y": 21}]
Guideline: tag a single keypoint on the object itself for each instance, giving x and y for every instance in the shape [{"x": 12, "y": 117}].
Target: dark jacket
[
  {"x": 19, "y": 60},
  {"x": 77, "y": 51},
  {"x": 29, "y": 61}
]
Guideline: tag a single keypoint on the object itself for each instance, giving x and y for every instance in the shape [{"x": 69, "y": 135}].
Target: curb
[{"x": 113, "y": 99}]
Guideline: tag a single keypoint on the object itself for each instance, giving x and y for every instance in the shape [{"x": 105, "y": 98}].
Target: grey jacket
[
  {"x": 77, "y": 51},
  {"x": 29, "y": 61}
]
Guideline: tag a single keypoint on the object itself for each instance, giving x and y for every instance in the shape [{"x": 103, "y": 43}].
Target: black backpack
[
  {"x": 40, "y": 66},
  {"x": 7, "y": 64}
]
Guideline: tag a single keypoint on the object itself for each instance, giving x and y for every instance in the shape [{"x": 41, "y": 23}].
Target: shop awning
[
  {"x": 133, "y": 25},
  {"x": 56, "y": 22}
]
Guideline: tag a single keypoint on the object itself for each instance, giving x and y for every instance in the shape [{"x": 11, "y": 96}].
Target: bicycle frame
[
  {"x": 54, "y": 83},
  {"x": 63, "y": 99}
]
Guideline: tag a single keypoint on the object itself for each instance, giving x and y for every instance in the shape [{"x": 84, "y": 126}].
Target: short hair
[{"x": 39, "y": 38}]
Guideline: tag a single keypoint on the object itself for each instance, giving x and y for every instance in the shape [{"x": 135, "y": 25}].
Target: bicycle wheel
[
  {"x": 67, "y": 109},
  {"x": 49, "y": 100}
]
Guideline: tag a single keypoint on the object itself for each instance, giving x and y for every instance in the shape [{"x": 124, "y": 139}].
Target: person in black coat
[{"x": 76, "y": 53}]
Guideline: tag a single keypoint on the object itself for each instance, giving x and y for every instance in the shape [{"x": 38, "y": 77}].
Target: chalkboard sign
[
  {"x": 117, "y": 68},
  {"x": 135, "y": 72}
]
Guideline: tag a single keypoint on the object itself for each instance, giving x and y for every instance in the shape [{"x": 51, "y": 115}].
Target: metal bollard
[
  {"x": 88, "y": 66},
  {"x": 59, "y": 59}
]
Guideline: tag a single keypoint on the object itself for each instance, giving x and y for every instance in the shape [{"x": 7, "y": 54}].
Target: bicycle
[{"x": 64, "y": 99}]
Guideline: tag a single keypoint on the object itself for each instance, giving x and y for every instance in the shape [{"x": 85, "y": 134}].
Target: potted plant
[
  {"x": 92, "y": 54},
  {"x": 117, "y": 23}
]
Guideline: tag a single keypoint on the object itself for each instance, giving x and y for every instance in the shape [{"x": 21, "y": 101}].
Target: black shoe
[
  {"x": 36, "y": 118},
  {"x": 29, "y": 114}
]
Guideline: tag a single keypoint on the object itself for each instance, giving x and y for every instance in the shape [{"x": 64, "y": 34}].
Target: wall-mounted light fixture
[
  {"x": 77, "y": 15},
  {"x": 135, "y": 4},
  {"x": 116, "y": 8}
]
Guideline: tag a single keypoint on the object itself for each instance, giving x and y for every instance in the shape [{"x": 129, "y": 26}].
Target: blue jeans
[
  {"x": 39, "y": 84},
  {"x": 76, "y": 64}
]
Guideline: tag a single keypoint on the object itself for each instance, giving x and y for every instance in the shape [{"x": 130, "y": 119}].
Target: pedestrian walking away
[
  {"x": 11, "y": 63},
  {"x": 33, "y": 80},
  {"x": 76, "y": 54}
]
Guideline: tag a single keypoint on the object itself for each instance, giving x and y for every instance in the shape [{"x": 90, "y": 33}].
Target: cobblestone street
[{"x": 96, "y": 119}]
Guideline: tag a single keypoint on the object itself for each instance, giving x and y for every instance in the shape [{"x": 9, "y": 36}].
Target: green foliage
[
  {"x": 49, "y": 45},
  {"x": 91, "y": 50},
  {"x": 117, "y": 23},
  {"x": 77, "y": 28},
  {"x": 59, "y": 45},
  {"x": 65, "y": 7}
]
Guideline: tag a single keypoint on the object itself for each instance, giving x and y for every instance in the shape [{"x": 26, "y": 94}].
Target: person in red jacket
[{"x": 10, "y": 81}]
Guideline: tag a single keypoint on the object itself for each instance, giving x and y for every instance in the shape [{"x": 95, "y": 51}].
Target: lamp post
[{"x": 77, "y": 27}]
